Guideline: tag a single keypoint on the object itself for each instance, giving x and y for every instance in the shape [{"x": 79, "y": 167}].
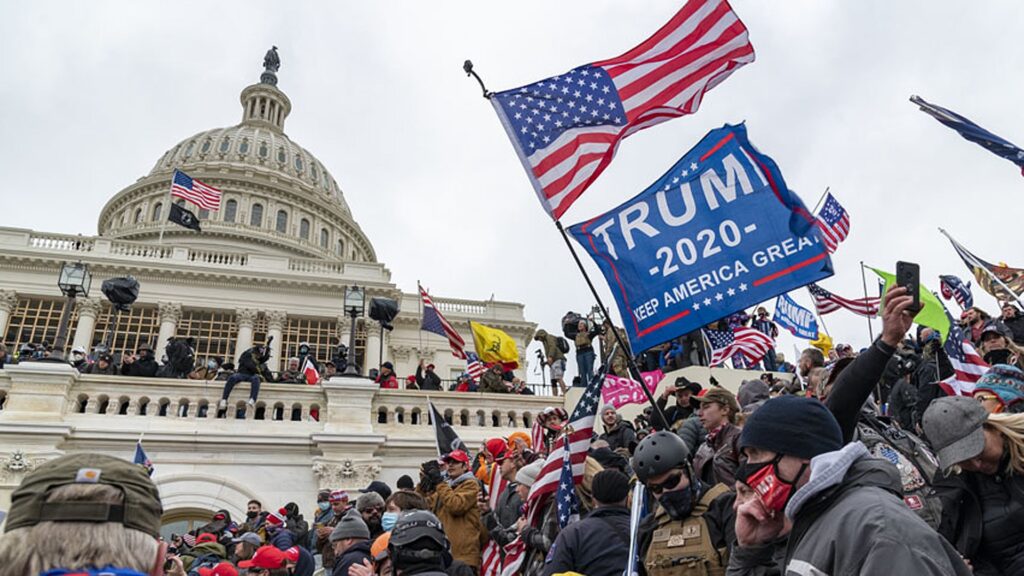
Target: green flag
[{"x": 932, "y": 314}]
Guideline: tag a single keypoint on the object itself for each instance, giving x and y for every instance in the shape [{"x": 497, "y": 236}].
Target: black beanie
[
  {"x": 405, "y": 483},
  {"x": 794, "y": 426},
  {"x": 610, "y": 486}
]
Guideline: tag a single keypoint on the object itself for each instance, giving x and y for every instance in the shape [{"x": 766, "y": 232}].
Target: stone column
[
  {"x": 88, "y": 310},
  {"x": 245, "y": 318},
  {"x": 8, "y": 302},
  {"x": 170, "y": 314},
  {"x": 373, "y": 359},
  {"x": 275, "y": 329}
]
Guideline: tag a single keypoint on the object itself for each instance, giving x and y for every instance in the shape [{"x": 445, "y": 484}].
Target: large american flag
[
  {"x": 827, "y": 302},
  {"x": 752, "y": 344},
  {"x": 491, "y": 564},
  {"x": 968, "y": 365},
  {"x": 434, "y": 321},
  {"x": 566, "y": 129},
  {"x": 953, "y": 287},
  {"x": 202, "y": 195},
  {"x": 474, "y": 367},
  {"x": 834, "y": 223}
]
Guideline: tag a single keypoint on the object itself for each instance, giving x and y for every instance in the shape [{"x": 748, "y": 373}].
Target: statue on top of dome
[{"x": 271, "y": 64}]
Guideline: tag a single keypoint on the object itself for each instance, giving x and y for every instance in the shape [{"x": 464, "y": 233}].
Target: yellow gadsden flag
[{"x": 493, "y": 345}]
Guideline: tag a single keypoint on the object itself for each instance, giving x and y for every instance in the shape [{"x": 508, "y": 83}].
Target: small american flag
[
  {"x": 968, "y": 365},
  {"x": 515, "y": 554},
  {"x": 566, "y": 129},
  {"x": 834, "y": 223},
  {"x": 474, "y": 367},
  {"x": 566, "y": 501},
  {"x": 953, "y": 287},
  {"x": 184, "y": 186},
  {"x": 434, "y": 321},
  {"x": 491, "y": 564},
  {"x": 752, "y": 344},
  {"x": 827, "y": 302}
]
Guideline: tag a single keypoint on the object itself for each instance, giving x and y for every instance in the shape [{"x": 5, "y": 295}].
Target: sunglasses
[{"x": 671, "y": 482}]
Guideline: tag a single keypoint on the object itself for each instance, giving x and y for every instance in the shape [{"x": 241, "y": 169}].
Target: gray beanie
[
  {"x": 369, "y": 500},
  {"x": 351, "y": 526}
]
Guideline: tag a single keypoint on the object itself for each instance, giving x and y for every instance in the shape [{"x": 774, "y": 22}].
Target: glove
[{"x": 434, "y": 476}]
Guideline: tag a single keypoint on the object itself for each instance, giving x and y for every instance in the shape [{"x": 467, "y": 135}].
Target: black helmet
[
  {"x": 416, "y": 525},
  {"x": 658, "y": 453}
]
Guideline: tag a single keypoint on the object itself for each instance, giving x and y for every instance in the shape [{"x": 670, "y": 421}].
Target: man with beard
[
  {"x": 693, "y": 524},
  {"x": 370, "y": 506},
  {"x": 810, "y": 358},
  {"x": 255, "y": 518}
]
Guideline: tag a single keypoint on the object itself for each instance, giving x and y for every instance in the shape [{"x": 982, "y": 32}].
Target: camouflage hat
[{"x": 141, "y": 509}]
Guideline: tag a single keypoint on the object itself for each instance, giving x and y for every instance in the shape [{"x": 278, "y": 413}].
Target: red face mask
[{"x": 773, "y": 491}]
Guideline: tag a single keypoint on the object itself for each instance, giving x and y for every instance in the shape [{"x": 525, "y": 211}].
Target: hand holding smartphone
[{"x": 908, "y": 275}]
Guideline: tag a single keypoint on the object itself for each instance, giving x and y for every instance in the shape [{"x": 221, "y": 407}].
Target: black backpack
[{"x": 563, "y": 344}]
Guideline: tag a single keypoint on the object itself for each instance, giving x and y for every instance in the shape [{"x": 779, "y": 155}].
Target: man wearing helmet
[
  {"x": 693, "y": 525},
  {"x": 418, "y": 545}
]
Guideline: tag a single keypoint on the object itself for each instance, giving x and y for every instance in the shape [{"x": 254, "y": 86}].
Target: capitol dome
[{"x": 278, "y": 198}]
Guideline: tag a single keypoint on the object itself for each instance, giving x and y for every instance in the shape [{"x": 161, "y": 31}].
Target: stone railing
[
  {"x": 316, "y": 266},
  {"x": 217, "y": 258},
  {"x": 134, "y": 250},
  {"x": 405, "y": 410},
  {"x": 61, "y": 242}
]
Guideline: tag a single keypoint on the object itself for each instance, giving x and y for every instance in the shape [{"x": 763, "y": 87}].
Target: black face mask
[
  {"x": 997, "y": 357},
  {"x": 679, "y": 503},
  {"x": 250, "y": 514}
]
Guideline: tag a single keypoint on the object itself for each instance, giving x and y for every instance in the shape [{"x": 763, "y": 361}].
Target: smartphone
[{"x": 908, "y": 275}]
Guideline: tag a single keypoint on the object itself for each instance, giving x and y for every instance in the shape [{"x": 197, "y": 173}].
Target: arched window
[
  {"x": 138, "y": 215},
  {"x": 256, "y": 215},
  {"x": 304, "y": 229},
  {"x": 339, "y": 248},
  {"x": 282, "y": 222},
  {"x": 230, "y": 210},
  {"x": 325, "y": 237},
  {"x": 158, "y": 208}
]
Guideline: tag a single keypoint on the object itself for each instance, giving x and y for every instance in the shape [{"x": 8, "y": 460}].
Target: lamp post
[
  {"x": 74, "y": 281},
  {"x": 354, "y": 297}
]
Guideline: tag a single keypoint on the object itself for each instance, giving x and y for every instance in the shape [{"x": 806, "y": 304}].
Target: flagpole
[
  {"x": 985, "y": 268},
  {"x": 864, "y": 283},
  {"x": 820, "y": 200},
  {"x": 419, "y": 298},
  {"x": 163, "y": 224},
  {"x": 659, "y": 421}
]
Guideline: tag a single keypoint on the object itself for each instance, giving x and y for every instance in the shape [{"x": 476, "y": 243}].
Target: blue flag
[
  {"x": 142, "y": 459},
  {"x": 971, "y": 131},
  {"x": 718, "y": 233},
  {"x": 798, "y": 320}
]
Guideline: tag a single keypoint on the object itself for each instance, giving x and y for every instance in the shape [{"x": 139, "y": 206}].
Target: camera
[{"x": 543, "y": 360}]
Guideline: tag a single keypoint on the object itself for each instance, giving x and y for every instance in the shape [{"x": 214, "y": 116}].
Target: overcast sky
[{"x": 93, "y": 93}]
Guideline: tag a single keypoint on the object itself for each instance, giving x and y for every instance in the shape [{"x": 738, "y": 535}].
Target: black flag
[
  {"x": 183, "y": 217},
  {"x": 447, "y": 439}
]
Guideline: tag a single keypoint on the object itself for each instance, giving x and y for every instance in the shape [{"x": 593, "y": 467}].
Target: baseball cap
[
  {"x": 953, "y": 425},
  {"x": 249, "y": 538},
  {"x": 141, "y": 509},
  {"x": 720, "y": 396},
  {"x": 379, "y": 549},
  {"x": 205, "y": 538},
  {"x": 457, "y": 456},
  {"x": 265, "y": 557},
  {"x": 222, "y": 569}
]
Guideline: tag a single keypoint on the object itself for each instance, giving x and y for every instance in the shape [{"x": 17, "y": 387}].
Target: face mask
[
  {"x": 387, "y": 520},
  {"x": 323, "y": 506},
  {"x": 764, "y": 480},
  {"x": 250, "y": 514},
  {"x": 998, "y": 357},
  {"x": 211, "y": 365},
  {"x": 679, "y": 503}
]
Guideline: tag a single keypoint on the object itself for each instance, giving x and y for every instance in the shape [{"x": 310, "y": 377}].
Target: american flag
[
  {"x": 834, "y": 223},
  {"x": 971, "y": 131},
  {"x": 142, "y": 459},
  {"x": 515, "y": 554},
  {"x": 537, "y": 438},
  {"x": 968, "y": 365},
  {"x": 953, "y": 287},
  {"x": 474, "y": 367},
  {"x": 566, "y": 129},
  {"x": 752, "y": 344},
  {"x": 566, "y": 501},
  {"x": 434, "y": 322},
  {"x": 491, "y": 564},
  {"x": 184, "y": 186},
  {"x": 827, "y": 302}
]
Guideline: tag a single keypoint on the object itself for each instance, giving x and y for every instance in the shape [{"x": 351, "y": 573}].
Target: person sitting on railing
[
  {"x": 142, "y": 363},
  {"x": 386, "y": 376},
  {"x": 291, "y": 374},
  {"x": 426, "y": 378},
  {"x": 251, "y": 364},
  {"x": 209, "y": 371},
  {"x": 104, "y": 364},
  {"x": 493, "y": 380}
]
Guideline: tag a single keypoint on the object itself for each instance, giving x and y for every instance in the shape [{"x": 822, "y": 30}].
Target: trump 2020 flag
[
  {"x": 954, "y": 287},
  {"x": 566, "y": 128},
  {"x": 718, "y": 233},
  {"x": 798, "y": 320}
]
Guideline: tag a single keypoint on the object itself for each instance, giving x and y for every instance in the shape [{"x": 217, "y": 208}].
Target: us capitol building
[{"x": 273, "y": 261}]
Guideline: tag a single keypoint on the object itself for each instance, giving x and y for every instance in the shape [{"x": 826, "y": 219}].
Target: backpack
[
  {"x": 913, "y": 459},
  {"x": 563, "y": 344},
  {"x": 204, "y": 561}
]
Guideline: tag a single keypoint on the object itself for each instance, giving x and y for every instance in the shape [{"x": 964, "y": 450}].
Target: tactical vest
[{"x": 684, "y": 548}]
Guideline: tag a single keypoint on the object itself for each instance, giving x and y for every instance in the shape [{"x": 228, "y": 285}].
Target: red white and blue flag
[
  {"x": 826, "y": 302},
  {"x": 968, "y": 365},
  {"x": 953, "y": 287},
  {"x": 567, "y": 128},
  {"x": 567, "y": 503},
  {"x": 202, "y": 195},
  {"x": 834, "y": 223},
  {"x": 491, "y": 564},
  {"x": 142, "y": 459},
  {"x": 474, "y": 367},
  {"x": 970, "y": 131},
  {"x": 434, "y": 321},
  {"x": 752, "y": 344}
]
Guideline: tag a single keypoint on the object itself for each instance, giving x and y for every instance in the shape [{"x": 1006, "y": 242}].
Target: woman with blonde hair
[{"x": 987, "y": 450}]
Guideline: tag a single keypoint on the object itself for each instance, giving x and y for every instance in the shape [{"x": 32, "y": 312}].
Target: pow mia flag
[
  {"x": 183, "y": 217},
  {"x": 447, "y": 438}
]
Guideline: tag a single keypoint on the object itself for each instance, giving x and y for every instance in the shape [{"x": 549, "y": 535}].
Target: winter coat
[
  {"x": 389, "y": 381},
  {"x": 356, "y": 554},
  {"x": 494, "y": 383},
  {"x": 94, "y": 368},
  {"x": 322, "y": 544},
  {"x": 204, "y": 549},
  {"x": 455, "y": 505},
  {"x": 550, "y": 343},
  {"x": 1016, "y": 326},
  {"x": 427, "y": 379},
  {"x": 305, "y": 566},
  {"x": 623, "y": 435},
  {"x": 850, "y": 519},
  {"x": 716, "y": 459},
  {"x": 501, "y": 522},
  {"x": 597, "y": 545},
  {"x": 144, "y": 366},
  {"x": 991, "y": 530},
  {"x": 692, "y": 432},
  {"x": 675, "y": 414},
  {"x": 248, "y": 363}
]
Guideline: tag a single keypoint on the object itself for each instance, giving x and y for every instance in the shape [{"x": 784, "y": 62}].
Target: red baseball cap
[
  {"x": 205, "y": 537},
  {"x": 497, "y": 447},
  {"x": 292, "y": 554},
  {"x": 222, "y": 569},
  {"x": 265, "y": 557},
  {"x": 458, "y": 456}
]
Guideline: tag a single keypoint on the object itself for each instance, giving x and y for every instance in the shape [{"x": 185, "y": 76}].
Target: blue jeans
[
  {"x": 235, "y": 378},
  {"x": 585, "y": 364},
  {"x": 770, "y": 364}
]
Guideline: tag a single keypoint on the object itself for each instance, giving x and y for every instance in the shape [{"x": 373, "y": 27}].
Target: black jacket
[
  {"x": 675, "y": 413},
  {"x": 623, "y": 436},
  {"x": 427, "y": 380},
  {"x": 597, "y": 545},
  {"x": 143, "y": 366},
  {"x": 501, "y": 522},
  {"x": 991, "y": 529},
  {"x": 1016, "y": 327},
  {"x": 354, "y": 555}
]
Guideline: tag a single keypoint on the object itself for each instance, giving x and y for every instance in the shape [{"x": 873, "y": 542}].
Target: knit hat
[
  {"x": 610, "y": 486},
  {"x": 351, "y": 525},
  {"x": 527, "y": 475},
  {"x": 277, "y": 518},
  {"x": 1004, "y": 381},
  {"x": 953, "y": 426},
  {"x": 794, "y": 426},
  {"x": 519, "y": 434},
  {"x": 752, "y": 391},
  {"x": 405, "y": 482},
  {"x": 369, "y": 500},
  {"x": 609, "y": 406},
  {"x": 339, "y": 496}
]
